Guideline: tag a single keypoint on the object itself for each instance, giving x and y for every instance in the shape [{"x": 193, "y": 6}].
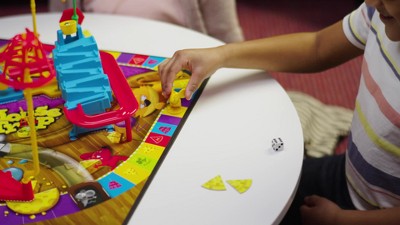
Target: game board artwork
[{"x": 101, "y": 125}]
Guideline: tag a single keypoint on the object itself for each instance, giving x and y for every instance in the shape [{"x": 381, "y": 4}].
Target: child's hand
[
  {"x": 319, "y": 211},
  {"x": 200, "y": 62}
]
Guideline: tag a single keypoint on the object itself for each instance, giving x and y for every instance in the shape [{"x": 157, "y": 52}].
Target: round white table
[{"x": 228, "y": 133}]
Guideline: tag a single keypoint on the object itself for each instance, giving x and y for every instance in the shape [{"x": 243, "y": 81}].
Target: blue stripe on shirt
[
  {"x": 371, "y": 174},
  {"x": 384, "y": 54}
]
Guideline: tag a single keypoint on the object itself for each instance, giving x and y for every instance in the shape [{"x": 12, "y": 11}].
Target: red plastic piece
[
  {"x": 68, "y": 13},
  {"x": 122, "y": 92},
  {"x": 105, "y": 156},
  {"x": 12, "y": 190},
  {"x": 25, "y": 52}
]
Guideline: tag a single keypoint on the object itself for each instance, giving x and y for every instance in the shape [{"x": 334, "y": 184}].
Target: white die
[{"x": 277, "y": 144}]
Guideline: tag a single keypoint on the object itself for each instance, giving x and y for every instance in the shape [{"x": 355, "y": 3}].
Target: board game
[{"x": 87, "y": 174}]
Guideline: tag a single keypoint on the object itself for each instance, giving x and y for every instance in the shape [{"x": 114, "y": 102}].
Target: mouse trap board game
[{"x": 94, "y": 169}]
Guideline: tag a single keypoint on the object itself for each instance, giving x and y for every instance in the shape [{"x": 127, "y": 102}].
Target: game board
[{"x": 86, "y": 176}]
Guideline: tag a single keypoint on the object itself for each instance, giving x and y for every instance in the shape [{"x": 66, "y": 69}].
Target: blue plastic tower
[{"x": 80, "y": 76}]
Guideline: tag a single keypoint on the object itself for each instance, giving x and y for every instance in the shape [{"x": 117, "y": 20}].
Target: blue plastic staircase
[{"x": 80, "y": 76}]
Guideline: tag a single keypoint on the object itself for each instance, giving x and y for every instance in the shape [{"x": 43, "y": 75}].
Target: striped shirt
[{"x": 373, "y": 154}]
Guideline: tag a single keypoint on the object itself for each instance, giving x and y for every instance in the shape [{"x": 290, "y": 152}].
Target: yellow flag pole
[
  {"x": 33, "y": 12},
  {"x": 30, "y": 108}
]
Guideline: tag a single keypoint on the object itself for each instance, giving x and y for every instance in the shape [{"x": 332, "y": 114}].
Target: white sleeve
[{"x": 356, "y": 25}]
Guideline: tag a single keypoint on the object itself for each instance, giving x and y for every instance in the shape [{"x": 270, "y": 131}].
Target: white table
[{"x": 228, "y": 133}]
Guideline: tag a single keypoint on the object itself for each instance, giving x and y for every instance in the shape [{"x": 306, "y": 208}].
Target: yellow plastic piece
[
  {"x": 42, "y": 202},
  {"x": 216, "y": 184},
  {"x": 240, "y": 185},
  {"x": 175, "y": 98},
  {"x": 3, "y": 87},
  {"x": 114, "y": 137},
  {"x": 145, "y": 94},
  {"x": 32, "y": 129},
  {"x": 50, "y": 89},
  {"x": 86, "y": 33},
  {"x": 90, "y": 162},
  {"x": 68, "y": 27},
  {"x": 175, "y": 102},
  {"x": 33, "y": 12}
]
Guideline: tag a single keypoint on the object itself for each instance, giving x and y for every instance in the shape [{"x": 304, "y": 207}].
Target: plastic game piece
[
  {"x": 74, "y": 15},
  {"x": 25, "y": 63},
  {"x": 175, "y": 102},
  {"x": 277, "y": 144},
  {"x": 81, "y": 78},
  {"x": 32, "y": 130},
  {"x": 215, "y": 184},
  {"x": 10, "y": 94},
  {"x": 33, "y": 13},
  {"x": 12, "y": 190},
  {"x": 26, "y": 66},
  {"x": 42, "y": 202},
  {"x": 123, "y": 94},
  {"x": 148, "y": 100},
  {"x": 105, "y": 156},
  {"x": 69, "y": 13},
  {"x": 68, "y": 27},
  {"x": 240, "y": 185},
  {"x": 90, "y": 163},
  {"x": 175, "y": 98},
  {"x": 84, "y": 86},
  {"x": 114, "y": 137}
]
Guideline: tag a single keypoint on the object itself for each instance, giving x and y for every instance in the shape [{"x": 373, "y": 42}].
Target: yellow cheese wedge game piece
[
  {"x": 216, "y": 184},
  {"x": 240, "y": 185},
  {"x": 88, "y": 163},
  {"x": 42, "y": 202}
]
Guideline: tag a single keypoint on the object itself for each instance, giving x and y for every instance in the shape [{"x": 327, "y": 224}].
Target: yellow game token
[
  {"x": 90, "y": 162},
  {"x": 215, "y": 184},
  {"x": 240, "y": 185},
  {"x": 42, "y": 202}
]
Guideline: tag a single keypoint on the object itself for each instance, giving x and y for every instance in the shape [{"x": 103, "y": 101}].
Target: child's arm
[
  {"x": 300, "y": 52},
  {"x": 318, "y": 210},
  {"x": 389, "y": 216}
]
